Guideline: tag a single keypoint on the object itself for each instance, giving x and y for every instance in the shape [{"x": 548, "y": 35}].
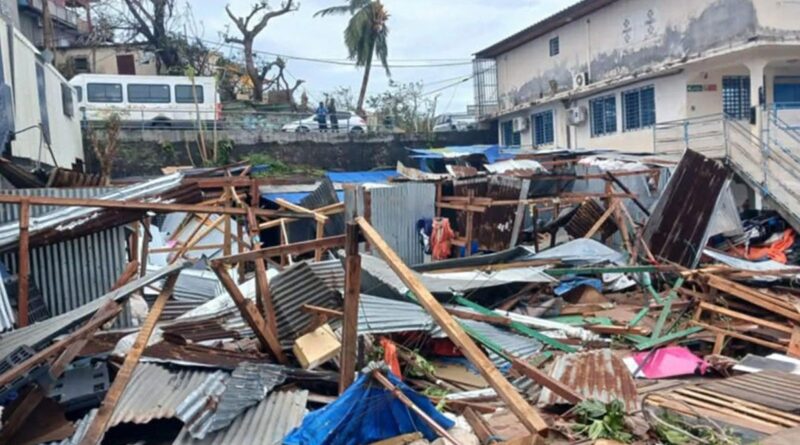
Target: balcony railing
[{"x": 57, "y": 11}]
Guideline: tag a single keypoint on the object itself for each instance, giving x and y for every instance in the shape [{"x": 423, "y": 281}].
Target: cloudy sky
[{"x": 422, "y": 32}]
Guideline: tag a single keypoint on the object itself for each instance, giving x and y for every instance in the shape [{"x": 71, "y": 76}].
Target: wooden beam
[
  {"x": 527, "y": 415},
  {"x": 298, "y": 209},
  {"x": 24, "y": 270},
  {"x": 102, "y": 316},
  {"x": 263, "y": 291},
  {"x": 251, "y": 315},
  {"x": 545, "y": 380},
  {"x": 352, "y": 296},
  {"x": 479, "y": 426},
  {"x": 155, "y": 207},
  {"x": 287, "y": 249},
  {"x": 311, "y": 309},
  {"x": 145, "y": 247},
  {"x": 752, "y": 296},
  {"x": 599, "y": 223},
  {"x": 97, "y": 429}
]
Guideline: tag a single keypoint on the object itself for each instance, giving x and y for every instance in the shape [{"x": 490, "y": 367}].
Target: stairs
[{"x": 769, "y": 164}]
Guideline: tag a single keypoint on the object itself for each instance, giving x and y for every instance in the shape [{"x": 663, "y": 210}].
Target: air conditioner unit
[
  {"x": 580, "y": 80},
  {"x": 520, "y": 124},
  {"x": 577, "y": 115}
]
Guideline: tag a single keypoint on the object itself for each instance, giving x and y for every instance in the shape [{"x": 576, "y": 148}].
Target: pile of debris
[{"x": 479, "y": 297}]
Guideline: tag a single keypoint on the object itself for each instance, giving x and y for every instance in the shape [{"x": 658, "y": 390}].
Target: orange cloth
[
  {"x": 390, "y": 357},
  {"x": 441, "y": 236},
  {"x": 775, "y": 251}
]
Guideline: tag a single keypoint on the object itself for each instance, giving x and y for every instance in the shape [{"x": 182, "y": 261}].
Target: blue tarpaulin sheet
[
  {"x": 294, "y": 197},
  {"x": 492, "y": 152},
  {"x": 378, "y": 176},
  {"x": 572, "y": 283},
  {"x": 366, "y": 413}
]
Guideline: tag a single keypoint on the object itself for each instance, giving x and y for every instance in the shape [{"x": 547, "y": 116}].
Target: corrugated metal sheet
[
  {"x": 292, "y": 288},
  {"x": 74, "y": 272},
  {"x": 678, "y": 226},
  {"x": 154, "y": 392},
  {"x": 383, "y": 316},
  {"x": 216, "y": 404},
  {"x": 81, "y": 426},
  {"x": 518, "y": 345},
  {"x": 39, "y": 334},
  {"x": 775, "y": 389},
  {"x": 331, "y": 272},
  {"x": 7, "y": 316},
  {"x": 395, "y": 212},
  {"x": 57, "y": 219},
  {"x": 10, "y": 212},
  {"x": 264, "y": 424},
  {"x": 586, "y": 217},
  {"x": 598, "y": 375}
]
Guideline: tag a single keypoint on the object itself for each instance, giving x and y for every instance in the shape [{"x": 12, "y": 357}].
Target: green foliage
[
  {"x": 278, "y": 168},
  {"x": 597, "y": 420},
  {"x": 224, "y": 149},
  {"x": 673, "y": 430},
  {"x": 406, "y": 105},
  {"x": 420, "y": 366},
  {"x": 366, "y": 31}
]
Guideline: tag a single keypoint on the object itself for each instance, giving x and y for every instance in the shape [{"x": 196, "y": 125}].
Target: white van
[{"x": 150, "y": 100}]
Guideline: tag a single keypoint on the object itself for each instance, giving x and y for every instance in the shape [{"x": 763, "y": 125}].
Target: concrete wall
[
  {"x": 103, "y": 60},
  {"x": 146, "y": 152},
  {"x": 636, "y": 36}
]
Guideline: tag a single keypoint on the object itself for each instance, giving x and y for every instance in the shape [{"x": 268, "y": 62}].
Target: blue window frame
[
  {"x": 639, "y": 108},
  {"x": 787, "y": 91},
  {"x": 555, "y": 47},
  {"x": 510, "y": 137},
  {"x": 736, "y": 96},
  {"x": 543, "y": 128},
  {"x": 603, "y": 112}
]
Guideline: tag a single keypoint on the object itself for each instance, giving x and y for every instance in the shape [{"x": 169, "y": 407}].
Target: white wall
[{"x": 65, "y": 132}]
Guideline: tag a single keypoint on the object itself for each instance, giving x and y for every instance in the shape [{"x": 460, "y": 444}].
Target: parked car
[
  {"x": 454, "y": 122},
  {"x": 348, "y": 122}
]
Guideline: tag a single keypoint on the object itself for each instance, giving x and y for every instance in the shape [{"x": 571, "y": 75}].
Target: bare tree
[
  {"x": 152, "y": 19},
  {"x": 250, "y": 26},
  {"x": 106, "y": 150}
]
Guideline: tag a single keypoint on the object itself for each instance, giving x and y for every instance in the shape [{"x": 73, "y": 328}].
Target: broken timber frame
[
  {"x": 527, "y": 415},
  {"x": 352, "y": 295}
]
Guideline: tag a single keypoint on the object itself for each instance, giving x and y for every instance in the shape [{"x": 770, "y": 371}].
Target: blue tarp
[
  {"x": 294, "y": 197},
  {"x": 366, "y": 413},
  {"x": 379, "y": 176},
  {"x": 492, "y": 152},
  {"x": 573, "y": 282}
]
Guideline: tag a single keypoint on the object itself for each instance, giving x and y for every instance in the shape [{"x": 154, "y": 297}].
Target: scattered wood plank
[
  {"x": 527, "y": 415},
  {"x": 287, "y": 249}
]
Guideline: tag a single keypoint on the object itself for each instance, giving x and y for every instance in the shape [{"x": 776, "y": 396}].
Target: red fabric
[
  {"x": 390, "y": 357},
  {"x": 441, "y": 236},
  {"x": 775, "y": 251}
]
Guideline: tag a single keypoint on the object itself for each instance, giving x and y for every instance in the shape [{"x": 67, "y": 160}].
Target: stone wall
[{"x": 145, "y": 152}]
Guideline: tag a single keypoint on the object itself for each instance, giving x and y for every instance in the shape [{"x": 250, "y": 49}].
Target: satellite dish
[{"x": 48, "y": 56}]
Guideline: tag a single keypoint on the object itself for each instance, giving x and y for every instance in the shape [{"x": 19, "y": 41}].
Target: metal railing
[{"x": 763, "y": 161}]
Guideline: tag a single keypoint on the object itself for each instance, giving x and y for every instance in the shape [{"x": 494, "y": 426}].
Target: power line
[{"x": 341, "y": 62}]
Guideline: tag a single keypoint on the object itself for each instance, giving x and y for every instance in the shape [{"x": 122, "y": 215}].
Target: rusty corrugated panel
[
  {"x": 395, "y": 212},
  {"x": 598, "y": 375},
  {"x": 587, "y": 215},
  {"x": 677, "y": 229},
  {"x": 199, "y": 355}
]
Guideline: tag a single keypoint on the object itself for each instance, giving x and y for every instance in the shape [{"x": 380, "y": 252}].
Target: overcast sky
[{"x": 419, "y": 32}]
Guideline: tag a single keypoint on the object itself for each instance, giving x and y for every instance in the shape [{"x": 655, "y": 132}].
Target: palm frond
[{"x": 333, "y": 10}]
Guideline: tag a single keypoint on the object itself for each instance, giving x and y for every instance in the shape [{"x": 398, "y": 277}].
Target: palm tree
[{"x": 364, "y": 36}]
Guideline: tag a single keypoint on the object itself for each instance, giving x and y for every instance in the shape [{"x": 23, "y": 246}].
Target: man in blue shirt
[{"x": 322, "y": 116}]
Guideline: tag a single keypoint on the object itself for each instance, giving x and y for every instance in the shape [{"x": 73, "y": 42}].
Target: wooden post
[
  {"x": 95, "y": 432},
  {"x": 320, "y": 235},
  {"x": 240, "y": 267},
  {"x": 527, "y": 415},
  {"x": 263, "y": 292},
  {"x": 352, "y": 294},
  {"x": 470, "y": 224},
  {"x": 133, "y": 245},
  {"x": 24, "y": 269},
  {"x": 250, "y": 314},
  {"x": 145, "y": 247},
  {"x": 519, "y": 217}
]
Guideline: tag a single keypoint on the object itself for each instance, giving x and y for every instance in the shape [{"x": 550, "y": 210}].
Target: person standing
[
  {"x": 322, "y": 117},
  {"x": 334, "y": 117}
]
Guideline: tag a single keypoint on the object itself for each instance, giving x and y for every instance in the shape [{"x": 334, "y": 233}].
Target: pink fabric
[{"x": 672, "y": 361}]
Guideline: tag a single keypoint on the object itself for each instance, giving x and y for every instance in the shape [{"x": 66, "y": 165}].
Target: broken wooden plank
[
  {"x": 545, "y": 380},
  {"x": 251, "y": 315},
  {"x": 352, "y": 296},
  {"x": 751, "y": 296},
  {"x": 24, "y": 269},
  {"x": 97, "y": 428},
  {"x": 287, "y": 249},
  {"x": 524, "y": 412}
]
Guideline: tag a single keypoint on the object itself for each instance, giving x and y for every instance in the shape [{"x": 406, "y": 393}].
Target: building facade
[
  {"x": 106, "y": 59},
  {"x": 70, "y": 19},
  {"x": 603, "y": 73}
]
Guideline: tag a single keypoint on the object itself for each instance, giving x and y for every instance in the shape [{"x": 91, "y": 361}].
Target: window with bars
[
  {"x": 543, "y": 133},
  {"x": 736, "y": 96},
  {"x": 555, "y": 47},
  {"x": 511, "y": 138},
  {"x": 639, "y": 108},
  {"x": 603, "y": 112}
]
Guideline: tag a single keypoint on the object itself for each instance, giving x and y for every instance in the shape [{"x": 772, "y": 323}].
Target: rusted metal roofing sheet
[
  {"x": 154, "y": 392},
  {"x": 492, "y": 229},
  {"x": 677, "y": 229},
  {"x": 586, "y": 217},
  {"x": 775, "y": 389},
  {"x": 598, "y": 375},
  {"x": 264, "y": 424},
  {"x": 10, "y": 212}
]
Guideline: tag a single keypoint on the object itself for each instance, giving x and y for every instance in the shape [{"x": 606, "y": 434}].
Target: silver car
[{"x": 347, "y": 123}]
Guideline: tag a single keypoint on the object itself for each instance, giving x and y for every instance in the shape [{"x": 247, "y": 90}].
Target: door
[{"x": 126, "y": 64}]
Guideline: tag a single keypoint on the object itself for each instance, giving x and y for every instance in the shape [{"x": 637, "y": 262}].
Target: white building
[
  {"x": 604, "y": 73},
  {"x": 46, "y": 125}
]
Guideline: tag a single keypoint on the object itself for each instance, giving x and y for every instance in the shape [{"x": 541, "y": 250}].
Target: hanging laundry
[
  {"x": 390, "y": 357},
  {"x": 441, "y": 237},
  {"x": 424, "y": 229}
]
